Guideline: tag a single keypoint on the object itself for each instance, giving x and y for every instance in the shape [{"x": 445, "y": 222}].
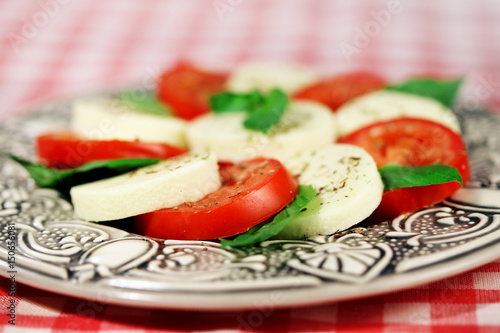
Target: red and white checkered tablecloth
[{"x": 54, "y": 48}]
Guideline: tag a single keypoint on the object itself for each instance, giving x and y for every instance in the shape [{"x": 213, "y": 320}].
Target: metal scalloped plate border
[{"x": 57, "y": 252}]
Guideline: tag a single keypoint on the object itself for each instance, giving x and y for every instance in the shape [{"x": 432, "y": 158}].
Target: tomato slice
[
  {"x": 251, "y": 192},
  {"x": 336, "y": 91},
  {"x": 413, "y": 142},
  {"x": 66, "y": 149},
  {"x": 187, "y": 88}
]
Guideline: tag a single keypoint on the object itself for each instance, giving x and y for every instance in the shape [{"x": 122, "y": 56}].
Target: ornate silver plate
[{"x": 43, "y": 244}]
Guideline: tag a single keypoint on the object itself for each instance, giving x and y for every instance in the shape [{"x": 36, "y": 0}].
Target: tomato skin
[
  {"x": 65, "y": 149},
  {"x": 413, "y": 142},
  {"x": 187, "y": 88},
  {"x": 336, "y": 91},
  {"x": 410, "y": 199},
  {"x": 251, "y": 192}
]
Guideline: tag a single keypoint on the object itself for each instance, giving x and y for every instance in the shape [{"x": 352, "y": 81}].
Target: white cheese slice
[
  {"x": 349, "y": 189},
  {"x": 266, "y": 76},
  {"x": 166, "y": 184},
  {"x": 107, "y": 119},
  {"x": 386, "y": 105},
  {"x": 303, "y": 126}
]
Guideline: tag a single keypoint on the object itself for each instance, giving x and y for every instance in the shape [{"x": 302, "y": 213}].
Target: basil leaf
[
  {"x": 230, "y": 101},
  {"x": 63, "y": 180},
  {"x": 144, "y": 101},
  {"x": 265, "y": 117},
  {"x": 441, "y": 90},
  {"x": 264, "y": 111},
  {"x": 411, "y": 176},
  {"x": 263, "y": 232}
]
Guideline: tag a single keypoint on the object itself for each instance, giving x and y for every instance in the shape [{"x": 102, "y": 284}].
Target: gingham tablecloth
[{"x": 54, "y": 48}]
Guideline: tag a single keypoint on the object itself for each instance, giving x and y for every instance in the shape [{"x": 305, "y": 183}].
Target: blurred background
[{"x": 54, "y": 48}]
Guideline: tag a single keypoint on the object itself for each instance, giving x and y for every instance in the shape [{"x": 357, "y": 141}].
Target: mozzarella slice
[
  {"x": 385, "y": 105},
  {"x": 348, "y": 184},
  {"x": 166, "y": 184},
  {"x": 302, "y": 126},
  {"x": 106, "y": 119},
  {"x": 266, "y": 76}
]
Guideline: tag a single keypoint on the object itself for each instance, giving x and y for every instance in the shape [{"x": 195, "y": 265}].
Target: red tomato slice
[
  {"x": 187, "y": 88},
  {"x": 67, "y": 150},
  {"x": 251, "y": 192},
  {"x": 414, "y": 142},
  {"x": 342, "y": 88}
]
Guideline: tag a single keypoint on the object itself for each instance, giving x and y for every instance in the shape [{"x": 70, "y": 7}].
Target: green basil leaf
[
  {"x": 144, "y": 101},
  {"x": 263, "y": 232},
  {"x": 265, "y": 117},
  {"x": 264, "y": 111},
  {"x": 63, "y": 180},
  {"x": 230, "y": 101},
  {"x": 443, "y": 91},
  {"x": 410, "y": 176},
  {"x": 42, "y": 175}
]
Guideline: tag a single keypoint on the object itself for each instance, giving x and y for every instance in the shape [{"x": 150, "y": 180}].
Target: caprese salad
[{"x": 270, "y": 150}]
